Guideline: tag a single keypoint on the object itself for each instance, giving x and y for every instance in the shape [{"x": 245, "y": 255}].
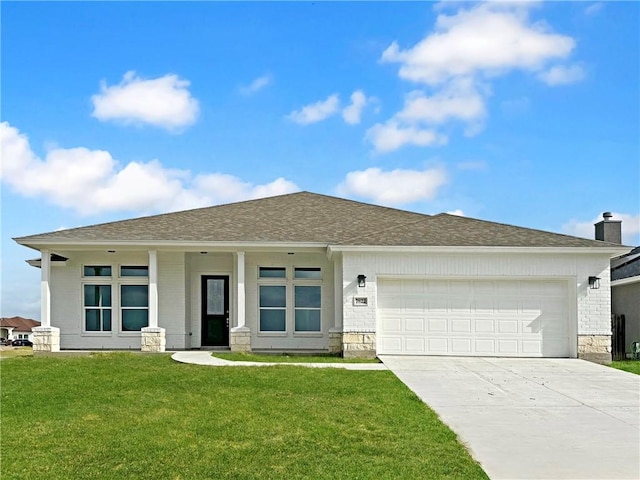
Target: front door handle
[{"x": 227, "y": 322}]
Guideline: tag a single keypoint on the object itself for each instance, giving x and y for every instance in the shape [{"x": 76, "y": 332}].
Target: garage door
[{"x": 522, "y": 318}]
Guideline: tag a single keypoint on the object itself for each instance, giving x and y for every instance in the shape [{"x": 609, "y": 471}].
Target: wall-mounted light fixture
[
  {"x": 362, "y": 280},
  {"x": 594, "y": 283}
]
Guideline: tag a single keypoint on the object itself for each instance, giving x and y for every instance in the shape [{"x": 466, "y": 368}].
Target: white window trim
[
  {"x": 115, "y": 281},
  {"x": 290, "y": 282}
]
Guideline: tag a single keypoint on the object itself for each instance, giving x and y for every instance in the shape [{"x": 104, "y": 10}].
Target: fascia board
[
  {"x": 168, "y": 245},
  {"x": 625, "y": 281},
  {"x": 611, "y": 251}
]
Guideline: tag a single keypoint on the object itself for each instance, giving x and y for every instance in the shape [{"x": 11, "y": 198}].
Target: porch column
[
  {"x": 240, "y": 335},
  {"x": 45, "y": 291},
  {"x": 153, "y": 288},
  {"x": 45, "y": 337},
  {"x": 335, "y": 332},
  {"x": 240, "y": 289},
  {"x": 153, "y": 337}
]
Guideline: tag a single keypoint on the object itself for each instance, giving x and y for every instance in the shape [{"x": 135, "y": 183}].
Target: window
[
  {"x": 313, "y": 273},
  {"x": 97, "y": 308},
  {"x": 134, "y": 271},
  {"x": 272, "y": 272},
  {"x": 134, "y": 307},
  {"x": 273, "y": 308},
  {"x": 97, "y": 270},
  {"x": 307, "y": 306}
]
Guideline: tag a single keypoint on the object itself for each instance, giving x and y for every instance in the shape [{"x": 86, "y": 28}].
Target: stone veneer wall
[
  {"x": 359, "y": 345},
  {"x": 46, "y": 339},
  {"x": 153, "y": 340},
  {"x": 240, "y": 339},
  {"x": 595, "y": 348}
]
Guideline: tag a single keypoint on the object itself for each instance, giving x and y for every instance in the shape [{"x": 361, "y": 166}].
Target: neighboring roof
[
  {"x": 19, "y": 324},
  {"x": 626, "y": 266},
  {"x": 314, "y": 219}
]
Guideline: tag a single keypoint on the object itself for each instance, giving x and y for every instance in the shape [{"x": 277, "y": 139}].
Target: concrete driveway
[{"x": 534, "y": 418}]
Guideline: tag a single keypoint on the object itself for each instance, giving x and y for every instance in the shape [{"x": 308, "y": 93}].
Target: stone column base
[
  {"x": 335, "y": 341},
  {"x": 595, "y": 348},
  {"x": 153, "y": 340},
  {"x": 46, "y": 339},
  {"x": 240, "y": 339},
  {"x": 359, "y": 345}
]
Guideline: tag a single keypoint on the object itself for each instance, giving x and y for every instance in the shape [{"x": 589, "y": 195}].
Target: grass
[
  {"x": 632, "y": 366},
  {"x": 288, "y": 358},
  {"x": 10, "y": 352},
  {"x": 126, "y": 416}
]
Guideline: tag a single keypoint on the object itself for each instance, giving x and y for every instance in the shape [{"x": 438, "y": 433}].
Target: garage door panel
[
  {"x": 413, "y": 325},
  {"x": 482, "y": 317}
]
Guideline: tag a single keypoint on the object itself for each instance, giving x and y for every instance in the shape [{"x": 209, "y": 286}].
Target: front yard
[
  {"x": 144, "y": 416},
  {"x": 632, "y": 366}
]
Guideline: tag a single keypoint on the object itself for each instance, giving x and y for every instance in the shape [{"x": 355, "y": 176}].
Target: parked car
[{"x": 22, "y": 342}]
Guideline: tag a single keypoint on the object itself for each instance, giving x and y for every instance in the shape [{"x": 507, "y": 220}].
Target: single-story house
[
  {"x": 625, "y": 295},
  {"x": 310, "y": 272},
  {"x": 15, "y": 328}
]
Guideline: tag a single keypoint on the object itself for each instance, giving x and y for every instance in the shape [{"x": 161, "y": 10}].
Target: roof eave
[{"x": 612, "y": 251}]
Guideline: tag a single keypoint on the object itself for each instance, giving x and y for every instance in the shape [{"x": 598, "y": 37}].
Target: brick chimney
[{"x": 608, "y": 230}]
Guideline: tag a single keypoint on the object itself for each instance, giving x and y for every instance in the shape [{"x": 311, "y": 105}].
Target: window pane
[
  {"x": 134, "y": 320},
  {"x": 134, "y": 296},
  {"x": 215, "y": 296},
  {"x": 106, "y": 320},
  {"x": 272, "y": 320},
  {"x": 97, "y": 271},
  {"x": 97, "y": 295},
  {"x": 273, "y": 296},
  {"x": 273, "y": 272},
  {"x": 308, "y": 297},
  {"x": 307, "y": 321},
  {"x": 129, "y": 271},
  {"x": 92, "y": 319},
  {"x": 311, "y": 272}
]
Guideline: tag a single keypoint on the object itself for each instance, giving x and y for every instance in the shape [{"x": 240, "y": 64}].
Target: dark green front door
[{"x": 215, "y": 311}]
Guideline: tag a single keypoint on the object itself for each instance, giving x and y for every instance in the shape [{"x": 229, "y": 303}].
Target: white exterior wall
[
  {"x": 172, "y": 299},
  {"x": 289, "y": 340},
  {"x": 592, "y": 307}
]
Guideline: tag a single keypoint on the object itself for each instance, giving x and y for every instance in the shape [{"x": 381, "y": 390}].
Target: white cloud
[
  {"x": 456, "y": 61},
  {"x": 457, "y": 212},
  {"x": 257, "y": 85},
  {"x": 391, "y": 135},
  {"x": 163, "y": 102},
  {"x": 394, "y": 187},
  {"x": 489, "y": 38},
  {"x": 351, "y": 114},
  {"x": 562, "y": 75},
  {"x": 586, "y": 229},
  {"x": 316, "y": 112},
  {"x": 594, "y": 8},
  {"x": 459, "y": 100},
  {"x": 92, "y": 181}
]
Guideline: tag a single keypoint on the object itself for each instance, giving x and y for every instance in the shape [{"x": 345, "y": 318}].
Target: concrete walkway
[
  {"x": 534, "y": 418},
  {"x": 205, "y": 358}
]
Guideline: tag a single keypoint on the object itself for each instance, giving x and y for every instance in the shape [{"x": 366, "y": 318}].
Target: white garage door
[{"x": 514, "y": 318}]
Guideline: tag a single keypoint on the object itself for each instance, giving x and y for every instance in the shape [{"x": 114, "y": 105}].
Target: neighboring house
[
  {"x": 625, "y": 280},
  {"x": 17, "y": 327},
  {"x": 318, "y": 273},
  {"x": 625, "y": 294}
]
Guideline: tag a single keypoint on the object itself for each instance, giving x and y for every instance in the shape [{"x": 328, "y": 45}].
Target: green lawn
[
  {"x": 9, "y": 352},
  {"x": 632, "y": 366},
  {"x": 143, "y": 416},
  {"x": 286, "y": 358}
]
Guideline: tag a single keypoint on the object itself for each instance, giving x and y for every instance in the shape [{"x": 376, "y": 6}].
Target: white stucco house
[{"x": 317, "y": 273}]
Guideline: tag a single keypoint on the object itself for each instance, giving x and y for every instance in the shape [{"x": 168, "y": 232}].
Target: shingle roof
[
  {"x": 312, "y": 218},
  {"x": 630, "y": 266},
  {"x": 19, "y": 324}
]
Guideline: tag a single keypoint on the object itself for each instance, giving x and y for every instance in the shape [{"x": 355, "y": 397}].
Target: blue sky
[{"x": 520, "y": 113}]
